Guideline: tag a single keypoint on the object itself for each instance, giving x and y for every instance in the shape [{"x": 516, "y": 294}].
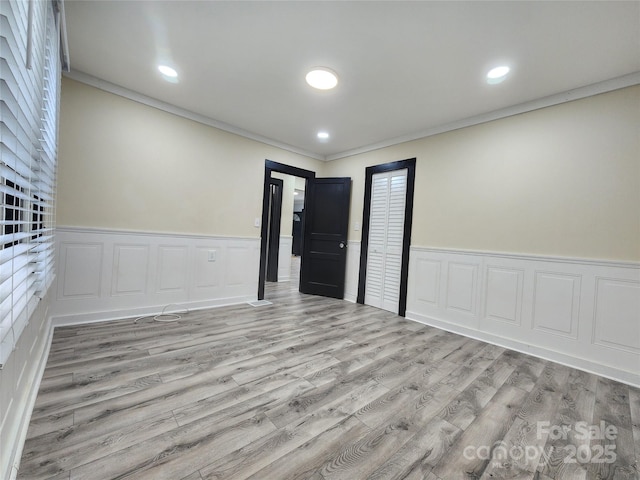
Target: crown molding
[
  {"x": 568, "y": 96},
  {"x": 181, "y": 112},
  {"x": 556, "y": 99},
  {"x": 64, "y": 41}
]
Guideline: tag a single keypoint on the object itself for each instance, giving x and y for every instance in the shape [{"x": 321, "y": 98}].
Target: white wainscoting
[
  {"x": 284, "y": 259},
  {"x": 353, "y": 271},
  {"x": 19, "y": 384},
  {"x": 583, "y": 313},
  {"x": 106, "y": 274}
]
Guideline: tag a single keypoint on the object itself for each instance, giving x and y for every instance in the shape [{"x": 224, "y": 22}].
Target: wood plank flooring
[{"x": 316, "y": 388}]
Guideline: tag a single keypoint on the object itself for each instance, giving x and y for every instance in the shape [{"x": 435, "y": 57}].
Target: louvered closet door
[{"x": 386, "y": 230}]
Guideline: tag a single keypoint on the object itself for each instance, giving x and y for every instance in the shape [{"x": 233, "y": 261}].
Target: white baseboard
[
  {"x": 629, "y": 378},
  {"x": 25, "y": 419},
  {"x": 105, "y": 316},
  {"x": 350, "y": 298},
  {"x": 106, "y": 274},
  {"x": 581, "y": 313},
  {"x": 584, "y": 313}
]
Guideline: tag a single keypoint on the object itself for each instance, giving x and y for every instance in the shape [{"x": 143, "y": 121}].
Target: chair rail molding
[
  {"x": 107, "y": 274},
  {"x": 352, "y": 275},
  {"x": 581, "y": 312}
]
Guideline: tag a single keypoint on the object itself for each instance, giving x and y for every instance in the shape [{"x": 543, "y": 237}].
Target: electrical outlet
[
  {"x": 211, "y": 257},
  {"x": 256, "y": 222},
  {"x": 356, "y": 227}
]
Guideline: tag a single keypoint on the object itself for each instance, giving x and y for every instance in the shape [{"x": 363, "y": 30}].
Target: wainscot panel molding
[
  {"x": 579, "y": 312},
  {"x": 353, "y": 271},
  {"x": 108, "y": 274},
  {"x": 284, "y": 258},
  {"x": 19, "y": 383}
]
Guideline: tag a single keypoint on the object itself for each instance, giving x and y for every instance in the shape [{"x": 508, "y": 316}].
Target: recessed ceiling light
[
  {"x": 323, "y": 135},
  {"x": 167, "y": 71},
  {"x": 497, "y": 75},
  {"x": 322, "y": 78}
]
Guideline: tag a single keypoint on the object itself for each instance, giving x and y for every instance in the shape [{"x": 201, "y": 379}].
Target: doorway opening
[
  {"x": 282, "y": 230},
  {"x": 276, "y": 187},
  {"x": 324, "y": 224},
  {"x": 286, "y": 218},
  {"x": 386, "y": 235}
]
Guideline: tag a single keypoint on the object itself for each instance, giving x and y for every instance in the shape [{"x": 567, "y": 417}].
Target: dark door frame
[
  {"x": 410, "y": 165},
  {"x": 270, "y": 166},
  {"x": 275, "y": 216}
]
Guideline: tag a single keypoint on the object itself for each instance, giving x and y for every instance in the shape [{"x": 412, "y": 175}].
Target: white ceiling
[{"x": 404, "y": 67}]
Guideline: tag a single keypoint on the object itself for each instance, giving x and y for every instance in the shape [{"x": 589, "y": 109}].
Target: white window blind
[{"x": 29, "y": 103}]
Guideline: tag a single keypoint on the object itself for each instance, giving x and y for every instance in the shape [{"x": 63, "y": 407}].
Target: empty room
[{"x": 319, "y": 240}]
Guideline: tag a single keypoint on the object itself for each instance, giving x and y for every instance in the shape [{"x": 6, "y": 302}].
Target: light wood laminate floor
[{"x": 316, "y": 388}]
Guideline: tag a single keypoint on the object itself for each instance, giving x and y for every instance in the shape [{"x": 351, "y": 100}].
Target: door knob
[{"x": 342, "y": 245}]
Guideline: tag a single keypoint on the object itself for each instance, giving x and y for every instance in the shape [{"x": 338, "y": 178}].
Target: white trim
[
  {"x": 572, "y": 361},
  {"x": 181, "y": 112},
  {"x": 115, "y": 231},
  {"x": 534, "y": 257},
  {"x": 66, "y": 61},
  {"x": 132, "y": 313},
  {"x": 570, "y": 323},
  {"x": 31, "y": 401},
  {"x": 350, "y": 298},
  {"x": 557, "y": 99},
  {"x": 106, "y": 274}
]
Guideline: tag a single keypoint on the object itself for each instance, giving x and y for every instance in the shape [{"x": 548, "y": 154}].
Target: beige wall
[
  {"x": 301, "y": 183},
  {"x": 124, "y": 165},
  {"x": 563, "y": 180}
]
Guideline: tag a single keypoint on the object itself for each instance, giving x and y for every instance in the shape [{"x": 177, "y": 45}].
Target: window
[
  {"x": 13, "y": 209},
  {"x": 37, "y": 218},
  {"x": 29, "y": 103}
]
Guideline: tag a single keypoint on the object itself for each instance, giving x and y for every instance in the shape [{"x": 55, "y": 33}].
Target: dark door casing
[
  {"x": 410, "y": 165},
  {"x": 324, "y": 250},
  {"x": 296, "y": 232},
  {"x": 270, "y": 166},
  {"x": 275, "y": 212}
]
